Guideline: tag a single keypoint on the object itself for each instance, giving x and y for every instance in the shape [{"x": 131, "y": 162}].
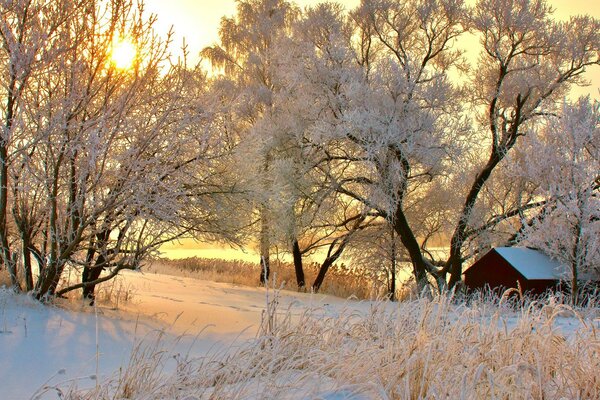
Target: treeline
[{"x": 320, "y": 132}]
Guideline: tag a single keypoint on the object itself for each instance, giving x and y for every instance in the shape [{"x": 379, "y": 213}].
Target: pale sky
[{"x": 198, "y": 21}]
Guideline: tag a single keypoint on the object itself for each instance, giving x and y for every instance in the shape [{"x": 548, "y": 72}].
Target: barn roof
[{"x": 532, "y": 264}]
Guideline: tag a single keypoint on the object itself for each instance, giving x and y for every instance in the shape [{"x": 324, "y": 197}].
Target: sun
[{"x": 123, "y": 54}]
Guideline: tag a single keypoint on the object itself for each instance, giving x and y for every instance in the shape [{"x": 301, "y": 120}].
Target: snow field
[
  {"x": 422, "y": 349},
  {"x": 297, "y": 346}
]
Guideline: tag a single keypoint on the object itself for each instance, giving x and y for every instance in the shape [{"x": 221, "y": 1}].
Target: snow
[
  {"x": 45, "y": 345},
  {"x": 532, "y": 264},
  {"x": 220, "y": 309},
  {"x": 46, "y": 348}
]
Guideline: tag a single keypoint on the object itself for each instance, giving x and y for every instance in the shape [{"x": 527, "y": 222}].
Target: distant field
[{"x": 341, "y": 280}]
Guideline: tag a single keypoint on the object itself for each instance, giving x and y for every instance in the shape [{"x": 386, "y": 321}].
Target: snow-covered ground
[
  {"x": 46, "y": 348},
  {"x": 219, "y": 309}
]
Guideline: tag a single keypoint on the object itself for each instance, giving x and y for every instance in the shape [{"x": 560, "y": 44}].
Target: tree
[
  {"x": 310, "y": 215},
  {"x": 30, "y": 32},
  {"x": 99, "y": 153},
  {"x": 567, "y": 168},
  {"x": 383, "y": 121},
  {"x": 528, "y": 62},
  {"x": 245, "y": 56},
  {"x": 105, "y": 163},
  {"x": 389, "y": 123}
]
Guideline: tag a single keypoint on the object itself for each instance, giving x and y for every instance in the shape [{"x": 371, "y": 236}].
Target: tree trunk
[
  {"x": 574, "y": 284},
  {"x": 576, "y": 263},
  {"x": 454, "y": 263},
  {"x": 332, "y": 256},
  {"x": 46, "y": 279},
  {"x": 298, "y": 265},
  {"x": 265, "y": 245},
  {"x": 54, "y": 268},
  {"x": 392, "y": 285},
  {"x": 7, "y": 259},
  {"x": 334, "y": 253},
  {"x": 27, "y": 264},
  {"x": 93, "y": 269},
  {"x": 91, "y": 274},
  {"x": 411, "y": 244},
  {"x": 55, "y": 281},
  {"x": 10, "y": 111},
  {"x": 322, "y": 272}
]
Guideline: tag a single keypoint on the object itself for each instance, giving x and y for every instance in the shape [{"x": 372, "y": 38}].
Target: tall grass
[
  {"x": 110, "y": 294},
  {"x": 420, "y": 349},
  {"x": 340, "y": 281}
]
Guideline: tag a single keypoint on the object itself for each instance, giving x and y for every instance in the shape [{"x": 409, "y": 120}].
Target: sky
[{"x": 198, "y": 21}]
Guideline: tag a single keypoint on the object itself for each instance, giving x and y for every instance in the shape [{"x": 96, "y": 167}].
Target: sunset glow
[{"x": 123, "y": 54}]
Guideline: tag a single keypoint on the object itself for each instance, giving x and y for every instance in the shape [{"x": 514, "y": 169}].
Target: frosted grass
[{"x": 421, "y": 349}]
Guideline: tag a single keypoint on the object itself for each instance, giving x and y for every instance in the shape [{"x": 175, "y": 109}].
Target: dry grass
[
  {"x": 422, "y": 349},
  {"x": 4, "y": 278},
  {"x": 340, "y": 281},
  {"x": 115, "y": 292},
  {"x": 110, "y": 294}
]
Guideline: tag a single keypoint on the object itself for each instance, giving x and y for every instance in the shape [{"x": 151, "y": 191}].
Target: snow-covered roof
[{"x": 532, "y": 264}]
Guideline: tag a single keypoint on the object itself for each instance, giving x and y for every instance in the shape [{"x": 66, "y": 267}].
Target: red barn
[{"x": 503, "y": 267}]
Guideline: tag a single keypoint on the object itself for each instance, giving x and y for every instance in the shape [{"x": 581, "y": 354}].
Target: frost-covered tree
[
  {"x": 383, "y": 108},
  {"x": 389, "y": 122},
  {"x": 30, "y": 34},
  {"x": 312, "y": 217},
  {"x": 567, "y": 167},
  {"x": 245, "y": 56},
  {"x": 103, "y": 164},
  {"x": 528, "y": 62}
]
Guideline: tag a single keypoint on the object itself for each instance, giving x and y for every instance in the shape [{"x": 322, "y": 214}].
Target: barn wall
[
  {"x": 491, "y": 270},
  {"x": 539, "y": 286},
  {"x": 494, "y": 271}
]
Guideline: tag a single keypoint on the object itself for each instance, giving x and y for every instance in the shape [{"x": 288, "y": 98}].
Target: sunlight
[{"x": 123, "y": 54}]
